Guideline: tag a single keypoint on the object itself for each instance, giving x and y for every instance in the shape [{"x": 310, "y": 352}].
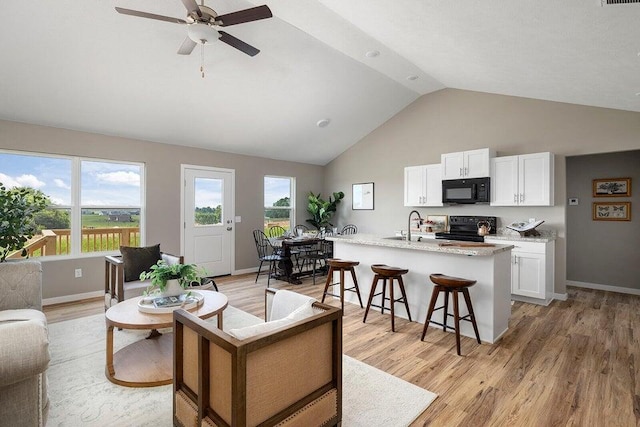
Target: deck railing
[{"x": 58, "y": 241}]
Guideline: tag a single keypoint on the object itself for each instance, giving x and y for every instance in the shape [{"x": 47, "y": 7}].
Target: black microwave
[{"x": 475, "y": 190}]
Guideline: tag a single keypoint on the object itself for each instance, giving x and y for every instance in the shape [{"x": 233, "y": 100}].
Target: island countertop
[{"x": 429, "y": 245}]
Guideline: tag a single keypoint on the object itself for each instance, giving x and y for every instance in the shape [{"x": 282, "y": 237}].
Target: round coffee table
[{"x": 149, "y": 362}]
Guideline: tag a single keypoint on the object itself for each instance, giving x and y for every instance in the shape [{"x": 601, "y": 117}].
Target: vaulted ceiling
[{"x": 356, "y": 63}]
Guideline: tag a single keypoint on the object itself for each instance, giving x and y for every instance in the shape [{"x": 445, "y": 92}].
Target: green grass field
[{"x": 102, "y": 221}]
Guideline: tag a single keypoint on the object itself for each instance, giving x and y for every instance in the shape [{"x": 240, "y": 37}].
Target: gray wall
[
  {"x": 603, "y": 252},
  {"x": 163, "y": 192},
  {"x": 453, "y": 120}
]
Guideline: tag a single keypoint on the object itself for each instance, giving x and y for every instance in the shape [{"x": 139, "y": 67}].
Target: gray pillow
[{"x": 138, "y": 260}]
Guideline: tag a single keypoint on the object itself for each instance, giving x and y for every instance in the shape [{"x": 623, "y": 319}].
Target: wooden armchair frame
[{"x": 217, "y": 377}]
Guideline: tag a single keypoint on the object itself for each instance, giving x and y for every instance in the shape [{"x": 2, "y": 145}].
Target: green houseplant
[
  {"x": 18, "y": 207},
  {"x": 321, "y": 210},
  {"x": 162, "y": 273}
]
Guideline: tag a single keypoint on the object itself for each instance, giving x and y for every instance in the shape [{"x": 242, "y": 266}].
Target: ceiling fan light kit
[{"x": 202, "y": 33}]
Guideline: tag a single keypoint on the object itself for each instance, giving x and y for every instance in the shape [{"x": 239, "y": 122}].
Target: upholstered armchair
[
  {"x": 122, "y": 272},
  {"x": 24, "y": 345},
  {"x": 285, "y": 372}
]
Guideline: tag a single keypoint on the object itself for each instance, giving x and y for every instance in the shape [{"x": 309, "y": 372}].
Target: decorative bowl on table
[{"x": 156, "y": 304}]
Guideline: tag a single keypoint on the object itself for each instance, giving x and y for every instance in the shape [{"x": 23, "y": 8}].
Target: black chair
[
  {"x": 317, "y": 256},
  {"x": 349, "y": 229},
  {"x": 266, "y": 252}
]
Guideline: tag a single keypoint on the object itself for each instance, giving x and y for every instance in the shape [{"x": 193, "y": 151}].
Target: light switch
[
  {"x": 238, "y": 219},
  {"x": 573, "y": 201}
]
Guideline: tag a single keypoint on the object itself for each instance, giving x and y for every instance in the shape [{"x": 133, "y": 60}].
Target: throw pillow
[
  {"x": 138, "y": 260},
  {"x": 300, "y": 313}
]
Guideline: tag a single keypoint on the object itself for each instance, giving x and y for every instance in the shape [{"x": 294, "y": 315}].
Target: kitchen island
[{"x": 489, "y": 266}]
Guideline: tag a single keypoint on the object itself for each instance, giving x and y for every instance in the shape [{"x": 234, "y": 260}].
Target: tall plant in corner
[
  {"x": 18, "y": 207},
  {"x": 320, "y": 210}
]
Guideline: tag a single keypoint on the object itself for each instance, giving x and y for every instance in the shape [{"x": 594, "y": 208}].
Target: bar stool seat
[
  {"x": 384, "y": 272},
  {"x": 455, "y": 285},
  {"x": 341, "y": 265}
]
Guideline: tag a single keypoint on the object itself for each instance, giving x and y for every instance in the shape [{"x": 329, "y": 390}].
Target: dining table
[{"x": 286, "y": 269}]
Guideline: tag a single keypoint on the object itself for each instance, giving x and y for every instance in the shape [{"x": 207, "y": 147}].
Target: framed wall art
[
  {"x": 612, "y": 211},
  {"x": 362, "y": 196},
  {"x": 612, "y": 187}
]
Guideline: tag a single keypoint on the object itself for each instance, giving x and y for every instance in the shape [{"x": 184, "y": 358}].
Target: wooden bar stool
[
  {"x": 448, "y": 284},
  {"x": 341, "y": 266},
  {"x": 384, "y": 273}
]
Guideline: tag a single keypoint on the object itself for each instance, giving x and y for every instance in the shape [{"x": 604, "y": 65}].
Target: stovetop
[{"x": 465, "y": 228}]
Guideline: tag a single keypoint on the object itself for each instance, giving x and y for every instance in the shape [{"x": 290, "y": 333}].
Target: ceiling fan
[{"x": 203, "y": 23}]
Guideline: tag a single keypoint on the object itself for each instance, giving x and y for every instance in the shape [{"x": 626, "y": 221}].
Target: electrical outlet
[{"x": 78, "y": 272}]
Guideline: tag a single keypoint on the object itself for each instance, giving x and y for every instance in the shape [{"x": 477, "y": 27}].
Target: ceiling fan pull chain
[{"x": 202, "y": 60}]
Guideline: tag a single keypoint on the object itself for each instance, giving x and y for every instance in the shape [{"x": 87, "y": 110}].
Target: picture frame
[
  {"x": 441, "y": 223},
  {"x": 612, "y": 211},
  {"x": 362, "y": 196},
  {"x": 612, "y": 187}
]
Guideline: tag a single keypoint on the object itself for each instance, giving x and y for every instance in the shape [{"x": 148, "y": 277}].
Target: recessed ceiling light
[
  {"x": 412, "y": 77},
  {"x": 323, "y": 123},
  {"x": 372, "y": 54}
]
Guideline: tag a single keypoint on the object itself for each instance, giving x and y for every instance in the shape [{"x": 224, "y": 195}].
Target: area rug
[{"x": 81, "y": 395}]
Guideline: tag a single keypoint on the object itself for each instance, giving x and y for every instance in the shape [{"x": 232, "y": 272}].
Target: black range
[{"x": 465, "y": 228}]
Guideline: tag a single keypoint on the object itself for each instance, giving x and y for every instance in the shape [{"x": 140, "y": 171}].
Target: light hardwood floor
[{"x": 571, "y": 363}]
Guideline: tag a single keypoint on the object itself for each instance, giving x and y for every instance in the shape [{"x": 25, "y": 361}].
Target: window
[
  {"x": 94, "y": 205},
  {"x": 279, "y": 202}
]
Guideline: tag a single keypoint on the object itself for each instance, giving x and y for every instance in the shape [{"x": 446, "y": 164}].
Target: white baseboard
[
  {"x": 71, "y": 298},
  {"x": 619, "y": 289},
  {"x": 560, "y": 297},
  {"x": 245, "y": 271}
]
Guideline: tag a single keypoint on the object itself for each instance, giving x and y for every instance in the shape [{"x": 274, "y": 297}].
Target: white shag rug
[{"x": 81, "y": 395}]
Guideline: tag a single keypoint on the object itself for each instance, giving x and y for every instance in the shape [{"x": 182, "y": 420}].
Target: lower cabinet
[{"x": 532, "y": 270}]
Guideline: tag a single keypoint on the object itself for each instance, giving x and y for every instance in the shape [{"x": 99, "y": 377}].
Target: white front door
[{"x": 208, "y": 214}]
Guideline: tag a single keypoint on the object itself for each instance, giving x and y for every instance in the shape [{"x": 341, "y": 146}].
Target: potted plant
[
  {"x": 18, "y": 207},
  {"x": 321, "y": 211},
  {"x": 172, "y": 279}
]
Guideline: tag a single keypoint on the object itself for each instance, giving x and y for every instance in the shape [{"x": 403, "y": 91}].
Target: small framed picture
[
  {"x": 362, "y": 196},
  {"x": 612, "y": 187},
  {"x": 612, "y": 211}
]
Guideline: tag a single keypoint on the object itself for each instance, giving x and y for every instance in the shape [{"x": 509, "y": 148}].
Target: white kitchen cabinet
[
  {"x": 423, "y": 185},
  {"x": 525, "y": 180},
  {"x": 466, "y": 164},
  {"x": 532, "y": 270}
]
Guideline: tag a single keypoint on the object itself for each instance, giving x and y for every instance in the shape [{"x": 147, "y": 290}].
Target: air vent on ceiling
[{"x": 611, "y": 2}]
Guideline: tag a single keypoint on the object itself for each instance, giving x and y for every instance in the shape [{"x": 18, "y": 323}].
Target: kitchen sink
[{"x": 394, "y": 238}]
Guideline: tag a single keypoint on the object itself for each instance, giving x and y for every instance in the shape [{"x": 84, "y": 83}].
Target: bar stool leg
[
  {"x": 456, "y": 319},
  {"x": 404, "y": 296},
  {"x": 384, "y": 294},
  {"x": 374, "y": 285},
  {"x": 432, "y": 304},
  {"x": 393, "y": 317},
  {"x": 355, "y": 283},
  {"x": 467, "y": 300},
  {"x": 446, "y": 309},
  {"x": 328, "y": 282}
]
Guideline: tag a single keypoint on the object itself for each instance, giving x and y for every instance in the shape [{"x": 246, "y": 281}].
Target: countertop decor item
[{"x": 612, "y": 187}]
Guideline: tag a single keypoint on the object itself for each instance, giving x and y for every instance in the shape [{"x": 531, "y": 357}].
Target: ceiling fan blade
[
  {"x": 150, "y": 15},
  {"x": 187, "y": 47},
  {"x": 238, "y": 44},
  {"x": 246, "y": 15},
  {"x": 192, "y": 7}
]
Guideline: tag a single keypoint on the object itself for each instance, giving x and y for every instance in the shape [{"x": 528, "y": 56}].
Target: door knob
[{"x": 229, "y": 228}]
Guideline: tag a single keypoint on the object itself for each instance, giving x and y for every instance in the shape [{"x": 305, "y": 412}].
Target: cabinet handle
[
  {"x": 515, "y": 198},
  {"x": 466, "y": 171},
  {"x": 515, "y": 259},
  {"x": 521, "y": 197},
  {"x": 461, "y": 172}
]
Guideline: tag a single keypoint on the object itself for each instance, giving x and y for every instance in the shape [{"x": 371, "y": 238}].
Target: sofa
[
  {"x": 283, "y": 372},
  {"x": 24, "y": 346},
  {"x": 122, "y": 272}
]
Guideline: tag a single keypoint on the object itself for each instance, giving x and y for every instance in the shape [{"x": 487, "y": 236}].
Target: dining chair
[
  {"x": 266, "y": 253},
  {"x": 316, "y": 257},
  {"x": 349, "y": 229},
  {"x": 276, "y": 231}
]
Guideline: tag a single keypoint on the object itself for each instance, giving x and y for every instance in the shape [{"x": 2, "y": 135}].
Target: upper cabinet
[
  {"x": 525, "y": 180},
  {"x": 423, "y": 185},
  {"x": 466, "y": 164}
]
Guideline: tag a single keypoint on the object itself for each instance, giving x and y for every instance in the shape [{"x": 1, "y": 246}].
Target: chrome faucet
[{"x": 409, "y": 224}]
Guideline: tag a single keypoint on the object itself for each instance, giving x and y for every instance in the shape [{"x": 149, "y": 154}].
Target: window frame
[
  {"x": 292, "y": 199},
  {"x": 75, "y": 209}
]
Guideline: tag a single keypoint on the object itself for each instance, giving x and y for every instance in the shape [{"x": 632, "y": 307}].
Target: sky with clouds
[
  {"x": 275, "y": 189},
  {"x": 103, "y": 183}
]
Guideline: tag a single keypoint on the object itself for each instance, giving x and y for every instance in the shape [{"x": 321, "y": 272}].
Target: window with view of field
[
  {"x": 279, "y": 202},
  {"x": 93, "y": 205}
]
